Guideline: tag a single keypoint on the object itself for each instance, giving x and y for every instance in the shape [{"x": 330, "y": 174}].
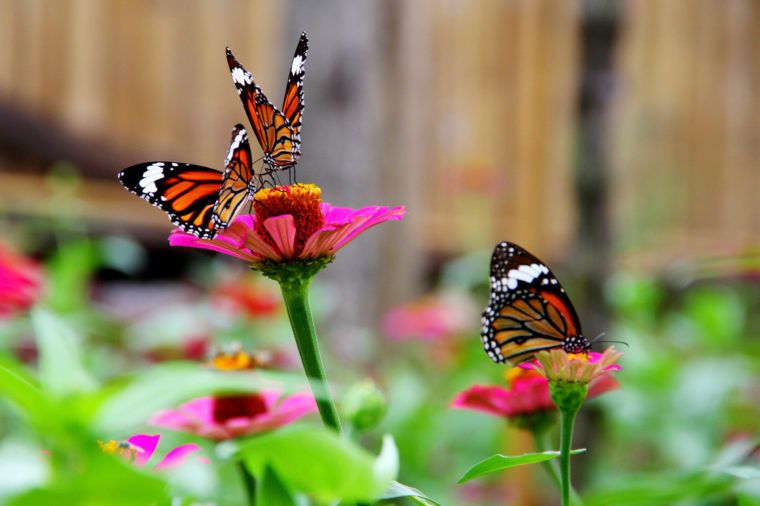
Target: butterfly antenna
[
  {"x": 596, "y": 340},
  {"x": 616, "y": 342}
]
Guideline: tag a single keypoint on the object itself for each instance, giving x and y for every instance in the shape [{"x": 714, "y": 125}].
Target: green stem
[
  {"x": 551, "y": 466},
  {"x": 250, "y": 483},
  {"x": 296, "y": 296},
  {"x": 567, "y": 420}
]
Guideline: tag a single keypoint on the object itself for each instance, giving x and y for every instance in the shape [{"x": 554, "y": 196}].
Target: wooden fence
[{"x": 463, "y": 111}]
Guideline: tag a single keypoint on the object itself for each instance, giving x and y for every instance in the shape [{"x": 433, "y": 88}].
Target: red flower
[
  {"x": 527, "y": 394},
  {"x": 21, "y": 281},
  {"x": 251, "y": 299}
]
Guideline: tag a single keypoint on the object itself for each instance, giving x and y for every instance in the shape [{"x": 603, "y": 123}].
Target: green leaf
[
  {"x": 69, "y": 274},
  {"x": 398, "y": 490},
  {"x": 103, "y": 480},
  {"x": 500, "y": 462},
  {"x": 61, "y": 367},
  {"x": 322, "y": 463},
  {"x": 660, "y": 489},
  {"x": 17, "y": 386},
  {"x": 271, "y": 491},
  {"x": 168, "y": 385}
]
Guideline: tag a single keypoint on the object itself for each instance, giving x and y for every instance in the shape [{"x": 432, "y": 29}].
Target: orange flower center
[
  {"x": 302, "y": 201},
  {"x": 236, "y": 361}
]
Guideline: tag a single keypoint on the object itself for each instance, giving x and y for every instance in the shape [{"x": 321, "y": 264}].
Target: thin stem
[
  {"x": 567, "y": 420},
  {"x": 249, "y": 482},
  {"x": 551, "y": 466},
  {"x": 296, "y": 296}
]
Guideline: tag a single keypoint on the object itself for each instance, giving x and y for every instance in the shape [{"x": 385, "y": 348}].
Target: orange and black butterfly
[
  {"x": 278, "y": 132},
  {"x": 199, "y": 200},
  {"x": 529, "y": 310}
]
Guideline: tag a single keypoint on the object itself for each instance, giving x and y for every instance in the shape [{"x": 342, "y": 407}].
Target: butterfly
[
  {"x": 278, "y": 132},
  {"x": 528, "y": 310},
  {"x": 199, "y": 200}
]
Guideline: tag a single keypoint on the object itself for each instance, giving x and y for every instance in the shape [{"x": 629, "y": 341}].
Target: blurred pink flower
[
  {"x": 290, "y": 222},
  {"x": 230, "y": 416},
  {"x": 430, "y": 318},
  {"x": 141, "y": 447},
  {"x": 21, "y": 281},
  {"x": 253, "y": 300},
  {"x": 527, "y": 394}
]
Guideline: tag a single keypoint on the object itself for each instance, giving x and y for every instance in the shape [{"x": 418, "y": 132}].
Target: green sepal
[
  {"x": 292, "y": 273},
  {"x": 568, "y": 396}
]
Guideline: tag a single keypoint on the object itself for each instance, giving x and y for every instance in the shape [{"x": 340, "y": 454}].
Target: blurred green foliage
[{"x": 681, "y": 430}]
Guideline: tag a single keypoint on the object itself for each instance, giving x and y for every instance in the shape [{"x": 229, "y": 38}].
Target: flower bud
[{"x": 364, "y": 405}]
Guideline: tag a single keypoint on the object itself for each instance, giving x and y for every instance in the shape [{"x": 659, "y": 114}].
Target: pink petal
[
  {"x": 487, "y": 399},
  {"x": 291, "y": 409},
  {"x": 178, "y": 455},
  {"x": 257, "y": 244},
  {"x": 200, "y": 410},
  {"x": 336, "y": 215},
  {"x": 171, "y": 419},
  {"x": 379, "y": 215},
  {"x": 270, "y": 397},
  {"x": 603, "y": 384},
  {"x": 146, "y": 446},
  {"x": 178, "y": 238},
  {"x": 322, "y": 241},
  {"x": 282, "y": 230}
]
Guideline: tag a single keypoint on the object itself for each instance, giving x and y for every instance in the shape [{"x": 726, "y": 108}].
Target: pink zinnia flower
[
  {"x": 21, "y": 281},
  {"x": 289, "y": 223},
  {"x": 230, "y": 416},
  {"x": 527, "y": 394},
  {"x": 430, "y": 318},
  {"x": 141, "y": 447}
]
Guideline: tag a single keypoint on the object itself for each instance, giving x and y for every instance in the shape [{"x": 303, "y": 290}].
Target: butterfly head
[{"x": 576, "y": 344}]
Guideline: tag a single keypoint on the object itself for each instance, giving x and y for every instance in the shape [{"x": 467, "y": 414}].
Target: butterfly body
[
  {"x": 278, "y": 131},
  {"x": 199, "y": 200},
  {"x": 528, "y": 310}
]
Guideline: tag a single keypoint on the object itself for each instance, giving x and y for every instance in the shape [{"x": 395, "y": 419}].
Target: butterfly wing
[
  {"x": 187, "y": 193},
  {"x": 237, "y": 186},
  {"x": 293, "y": 104},
  {"x": 278, "y": 139},
  {"x": 528, "y": 311}
]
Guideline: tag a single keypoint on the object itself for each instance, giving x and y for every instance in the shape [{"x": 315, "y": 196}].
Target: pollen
[
  {"x": 120, "y": 448},
  {"x": 302, "y": 201}
]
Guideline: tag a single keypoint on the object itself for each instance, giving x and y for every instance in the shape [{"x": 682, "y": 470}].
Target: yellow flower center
[
  {"x": 120, "y": 448},
  {"x": 580, "y": 357},
  {"x": 302, "y": 201}
]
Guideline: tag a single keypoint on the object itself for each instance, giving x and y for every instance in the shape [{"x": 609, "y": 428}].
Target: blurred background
[{"x": 617, "y": 140}]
